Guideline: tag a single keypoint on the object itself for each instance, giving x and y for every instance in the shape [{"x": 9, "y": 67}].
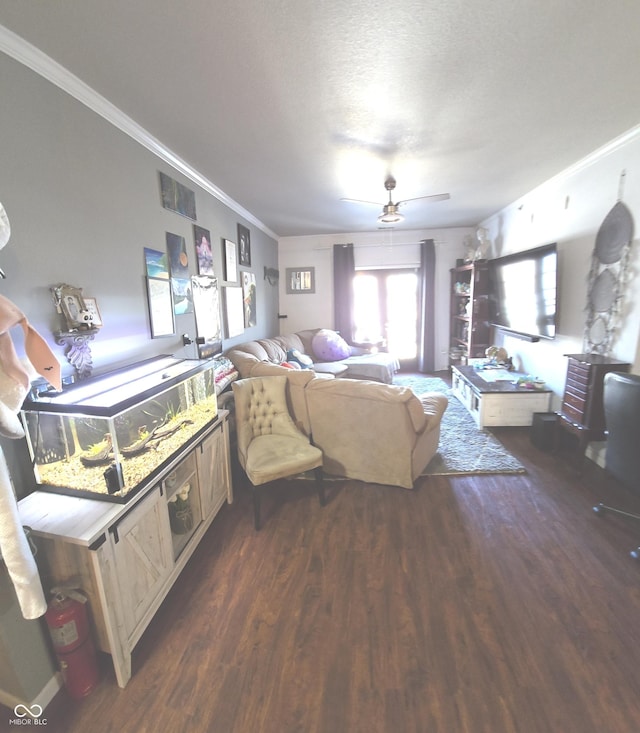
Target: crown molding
[
  {"x": 27, "y": 54},
  {"x": 599, "y": 154}
]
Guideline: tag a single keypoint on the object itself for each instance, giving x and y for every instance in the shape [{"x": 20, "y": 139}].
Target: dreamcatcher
[{"x": 607, "y": 278}]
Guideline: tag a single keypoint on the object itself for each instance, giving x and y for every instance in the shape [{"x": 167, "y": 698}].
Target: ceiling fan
[{"x": 390, "y": 211}]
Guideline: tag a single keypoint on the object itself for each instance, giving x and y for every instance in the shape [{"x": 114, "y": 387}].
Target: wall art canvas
[
  {"x": 160, "y": 301},
  {"x": 244, "y": 244},
  {"x": 204, "y": 252},
  {"x": 182, "y": 295},
  {"x": 230, "y": 261},
  {"x": 156, "y": 263},
  {"x": 234, "y": 308},
  {"x": 249, "y": 299},
  {"x": 178, "y": 258},
  {"x": 177, "y": 197}
]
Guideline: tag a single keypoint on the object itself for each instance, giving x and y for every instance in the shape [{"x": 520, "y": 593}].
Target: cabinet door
[
  {"x": 143, "y": 557},
  {"x": 213, "y": 472}
]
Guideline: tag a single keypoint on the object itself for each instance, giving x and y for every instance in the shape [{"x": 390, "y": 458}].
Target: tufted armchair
[{"x": 270, "y": 447}]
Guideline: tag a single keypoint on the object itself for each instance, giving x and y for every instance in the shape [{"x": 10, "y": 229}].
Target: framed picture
[
  {"x": 206, "y": 305},
  {"x": 177, "y": 197},
  {"x": 244, "y": 243},
  {"x": 160, "y": 307},
  {"x": 301, "y": 280},
  {"x": 234, "y": 310},
  {"x": 92, "y": 308},
  {"x": 249, "y": 299},
  {"x": 71, "y": 304},
  {"x": 204, "y": 252},
  {"x": 230, "y": 261}
]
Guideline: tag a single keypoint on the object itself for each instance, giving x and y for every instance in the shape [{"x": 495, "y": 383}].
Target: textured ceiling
[{"x": 287, "y": 106}]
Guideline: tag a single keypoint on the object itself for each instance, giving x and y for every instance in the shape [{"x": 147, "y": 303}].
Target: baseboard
[{"x": 43, "y": 698}]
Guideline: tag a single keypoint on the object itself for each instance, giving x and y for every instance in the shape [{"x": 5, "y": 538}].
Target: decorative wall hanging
[
  {"x": 249, "y": 299},
  {"x": 82, "y": 321},
  {"x": 160, "y": 307},
  {"x": 607, "y": 279},
  {"x": 203, "y": 250},
  {"x": 271, "y": 275},
  {"x": 177, "y": 197},
  {"x": 244, "y": 242},
  {"x": 230, "y": 261}
]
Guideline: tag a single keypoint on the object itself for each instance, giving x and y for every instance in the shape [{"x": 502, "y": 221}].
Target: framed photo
[
  {"x": 177, "y": 197},
  {"x": 160, "y": 307},
  {"x": 204, "y": 252},
  {"x": 244, "y": 243},
  {"x": 91, "y": 306},
  {"x": 234, "y": 307},
  {"x": 249, "y": 299},
  {"x": 230, "y": 261},
  {"x": 71, "y": 304},
  {"x": 301, "y": 280}
]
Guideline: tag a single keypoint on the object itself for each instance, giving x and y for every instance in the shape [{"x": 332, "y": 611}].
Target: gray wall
[
  {"x": 83, "y": 199},
  {"x": 26, "y": 663}
]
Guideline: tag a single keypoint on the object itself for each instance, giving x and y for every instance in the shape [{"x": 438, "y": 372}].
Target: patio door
[{"x": 386, "y": 310}]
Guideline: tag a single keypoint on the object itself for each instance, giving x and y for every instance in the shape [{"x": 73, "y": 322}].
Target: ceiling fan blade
[
  {"x": 434, "y": 197},
  {"x": 360, "y": 201}
]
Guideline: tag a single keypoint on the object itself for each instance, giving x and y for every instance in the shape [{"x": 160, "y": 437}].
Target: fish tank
[{"x": 107, "y": 437}]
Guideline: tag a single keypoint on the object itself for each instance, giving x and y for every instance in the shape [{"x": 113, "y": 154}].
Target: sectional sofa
[{"x": 367, "y": 430}]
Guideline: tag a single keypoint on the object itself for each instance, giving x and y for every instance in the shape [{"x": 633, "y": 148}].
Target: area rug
[{"x": 464, "y": 448}]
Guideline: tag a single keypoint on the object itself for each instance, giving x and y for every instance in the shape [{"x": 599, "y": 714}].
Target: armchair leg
[
  {"x": 320, "y": 484},
  {"x": 256, "y": 507}
]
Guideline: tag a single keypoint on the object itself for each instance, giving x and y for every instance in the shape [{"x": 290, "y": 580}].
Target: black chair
[{"x": 621, "y": 399}]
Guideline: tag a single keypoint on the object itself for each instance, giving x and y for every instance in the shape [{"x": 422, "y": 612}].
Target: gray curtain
[
  {"x": 426, "y": 326},
  {"x": 343, "y": 272}
]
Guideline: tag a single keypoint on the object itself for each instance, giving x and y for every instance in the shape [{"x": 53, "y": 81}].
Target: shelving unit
[{"x": 469, "y": 323}]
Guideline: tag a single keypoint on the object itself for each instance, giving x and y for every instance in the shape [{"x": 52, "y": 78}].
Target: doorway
[{"x": 386, "y": 311}]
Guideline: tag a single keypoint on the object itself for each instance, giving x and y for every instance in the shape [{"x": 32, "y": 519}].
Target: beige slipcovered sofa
[
  {"x": 366, "y": 430},
  {"x": 378, "y": 366},
  {"x": 263, "y": 357},
  {"x": 374, "y": 432}
]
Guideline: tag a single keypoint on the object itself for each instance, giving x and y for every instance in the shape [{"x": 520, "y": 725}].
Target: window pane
[
  {"x": 366, "y": 306},
  {"x": 402, "y": 314}
]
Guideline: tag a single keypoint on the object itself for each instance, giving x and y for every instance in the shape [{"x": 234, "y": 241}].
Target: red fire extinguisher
[{"x": 68, "y": 624}]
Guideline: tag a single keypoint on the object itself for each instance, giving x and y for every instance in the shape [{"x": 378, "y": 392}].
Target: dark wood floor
[{"x": 473, "y": 604}]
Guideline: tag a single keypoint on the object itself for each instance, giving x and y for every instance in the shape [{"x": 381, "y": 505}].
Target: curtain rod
[{"x": 370, "y": 246}]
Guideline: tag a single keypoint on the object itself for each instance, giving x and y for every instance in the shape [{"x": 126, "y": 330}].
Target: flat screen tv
[{"x": 523, "y": 292}]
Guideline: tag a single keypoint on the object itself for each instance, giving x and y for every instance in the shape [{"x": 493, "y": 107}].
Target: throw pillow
[
  {"x": 330, "y": 346},
  {"x": 297, "y": 357}
]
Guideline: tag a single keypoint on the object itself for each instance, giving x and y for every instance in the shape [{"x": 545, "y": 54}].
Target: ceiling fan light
[{"x": 390, "y": 217}]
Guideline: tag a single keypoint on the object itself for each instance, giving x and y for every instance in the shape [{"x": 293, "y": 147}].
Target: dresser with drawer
[{"x": 582, "y": 411}]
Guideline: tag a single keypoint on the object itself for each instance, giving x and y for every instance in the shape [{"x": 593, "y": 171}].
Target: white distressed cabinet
[{"x": 127, "y": 557}]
